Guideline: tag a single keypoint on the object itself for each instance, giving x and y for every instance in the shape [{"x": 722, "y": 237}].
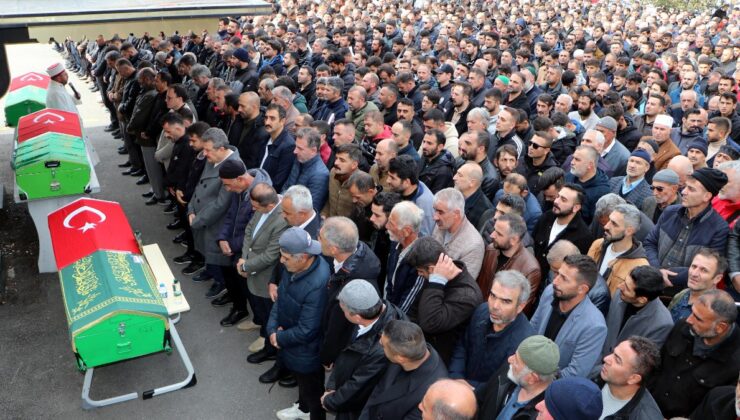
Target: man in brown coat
[
  {"x": 339, "y": 201},
  {"x": 662, "y": 134},
  {"x": 507, "y": 252}
]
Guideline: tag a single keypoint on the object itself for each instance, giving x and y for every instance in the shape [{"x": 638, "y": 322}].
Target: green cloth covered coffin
[
  {"x": 23, "y": 101},
  {"x": 113, "y": 308},
  {"x": 51, "y": 165}
]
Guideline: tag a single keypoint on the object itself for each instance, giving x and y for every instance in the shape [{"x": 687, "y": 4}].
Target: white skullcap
[
  {"x": 662, "y": 119},
  {"x": 54, "y": 69}
]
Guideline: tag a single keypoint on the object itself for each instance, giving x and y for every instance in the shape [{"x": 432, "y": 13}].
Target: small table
[{"x": 175, "y": 306}]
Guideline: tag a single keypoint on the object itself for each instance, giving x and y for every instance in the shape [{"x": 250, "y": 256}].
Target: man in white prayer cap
[
  {"x": 57, "y": 97},
  {"x": 662, "y": 134}
]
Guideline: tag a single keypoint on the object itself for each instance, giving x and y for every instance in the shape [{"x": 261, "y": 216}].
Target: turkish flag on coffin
[
  {"x": 30, "y": 79},
  {"x": 88, "y": 225},
  {"x": 48, "y": 120}
]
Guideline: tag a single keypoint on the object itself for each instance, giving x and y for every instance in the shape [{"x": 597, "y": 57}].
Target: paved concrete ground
[{"x": 40, "y": 378}]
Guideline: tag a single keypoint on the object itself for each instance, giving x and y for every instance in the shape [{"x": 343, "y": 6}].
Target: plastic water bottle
[
  {"x": 163, "y": 290},
  {"x": 176, "y": 287}
]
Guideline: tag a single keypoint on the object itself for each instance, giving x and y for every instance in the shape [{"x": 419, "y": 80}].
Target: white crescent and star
[{"x": 87, "y": 226}]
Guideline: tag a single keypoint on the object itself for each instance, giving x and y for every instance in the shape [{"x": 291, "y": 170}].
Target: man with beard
[
  {"x": 253, "y": 137},
  {"x": 727, "y": 109},
  {"x": 516, "y": 97},
  {"x": 654, "y": 106},
  {"x": 692, "y": 128},
  {"x": 457, "y": 113},
  {"x": 618, "y": 252},
  {"x": 380, "y": 242},
  {"x": 505, "y": 160},
  {"x": 339, "y": 202},
  {"x": 538, "y": 159},
  {"x": 701, "y": 352},
  {"x": 585, "y": 114},
  {"x": 277, "y": 156},
  {"x": 385, "y": 151},
  {"x": 363, "y": 190},
  {"x": 564, "y": 221},
  {"x": 245, "y": 78},
  {"x": 567, "y": 316},
  {"x": 624, "y": 374},
  {"x": 474, "y": 148},
  {"x": 307, "y": 85},
  {"x": 507, "y": 252},
  {"x": 308, "y": 169},
  {"x": 718, "y": 136},
  {"x": 584, "y": 172},
  {"x": 437, "y": 164},
  {"x": 403, "y": 179},
  {"x": 514, "y": 392}
]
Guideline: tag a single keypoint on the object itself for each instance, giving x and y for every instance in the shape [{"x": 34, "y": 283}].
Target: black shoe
[
  {"x": 110, "y": 128},
  {"x": 143, "y": 181},
  {"x": 225, "y": 300},
  {"x": 233, "y": 318},
  {"x": 202, "y": 277},
  {"x": 117, "y": 136},
  {"x": 122, "y": 151},
  {"x": 193, "y": 268},
  {"x": 152, "y": 201},
  {"x": 216, "y": 291},
  {"x": 116, "y": 132},
  {"x": 148, "y": 194},
  {"x": 126, "y": 164},
  {"x": 138, "y": 172},
  {"x": 185, "y": 258},
  {"x": 128, "y": 171},
  {"x": 273, "y": 375},
  {"x": 175, "y": 225},
  {"x": 288, "y": 381},
  {"x": 179, "y": 238},
  {"x": 95, "y": 89},
  {"x": 263, "y": 356},
  {"x": 171, "y": 208}
]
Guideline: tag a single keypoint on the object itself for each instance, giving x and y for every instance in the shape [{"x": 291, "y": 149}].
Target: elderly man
[
  {"x": 507, "y": 252},
  {"x": 447, "y": 299},
  {"x": 495, "y": 331},
  {"x": 633, "y": 187},
  {"x": 352, "y": 259},
  {"x": 666, "y": 148},
  {"x": 308, "y": 169},
  {"x": 454, "y": 231},
  {"x": 402, "y": 281},
  {"x": 585, "y": 173},
  {"x": 514, "y": 393},
  {"x": 618, "y": 252},
  {"x": 209, "y": 204},
  {"x": 681, "y": 230},
  {"x": 360, "y": 362},
  {"x": 727, "y": 202},
  {"x": 624, "y": 375},
  {"x": 448, "y": 399},
  {"x": 57, "y": 96},
  {"x": 468, "y": 181},
  {"x": 665, "y": 193},
  {"x": 614, "y": 152},
  {"x": 566, "y": 315},
  {"x": 701, "y": 352},
  {"x": 260, "y": 255},
  {"x": 295, "y": 319}
]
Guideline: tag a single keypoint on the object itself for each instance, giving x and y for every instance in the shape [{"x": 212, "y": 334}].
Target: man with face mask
[{"x": 514, "y": 393}]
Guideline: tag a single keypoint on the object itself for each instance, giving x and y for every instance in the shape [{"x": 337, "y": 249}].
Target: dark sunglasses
[
  {"x": 536, "y": 146},
  {"x": 653, "y": 187}
]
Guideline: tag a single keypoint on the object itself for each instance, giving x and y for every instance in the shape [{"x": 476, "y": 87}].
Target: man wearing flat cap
[
  {"x": 684, "y": 228},
  {"x": 361, "y": 363},
  {"x": 521, "y": 383},
  {"x": 614, "y": 153},
  {"x": 665, "y": 187},
  {"x": 295, "y": 319},
  {"x": 633, "y": 187}
]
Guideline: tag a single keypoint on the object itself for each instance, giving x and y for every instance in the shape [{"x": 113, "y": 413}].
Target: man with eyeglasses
[
  {"x": 537, "y": 160},
  {"x": 665, "y": 193}
]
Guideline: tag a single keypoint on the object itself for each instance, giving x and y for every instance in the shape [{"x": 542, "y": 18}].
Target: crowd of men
[{"x": 449, "y": 210}]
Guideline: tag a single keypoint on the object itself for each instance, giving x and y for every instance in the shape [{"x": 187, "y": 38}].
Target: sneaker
[
  {"x": 223, "y": 301},
  {"x": 202, "y": 277},
  {"x": 185, "y": 258},
  {"x": 216, "y": 291},
  {"x": 257, "y": 345},
  {"x": 293, "y": 413},
  {"x": 247, "y": 325},
  {"x": 193, "y": 268}
]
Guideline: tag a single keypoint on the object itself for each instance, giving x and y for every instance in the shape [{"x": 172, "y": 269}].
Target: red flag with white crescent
[
  {"x": 88, "y": 225},
  {"x": 48, "y": 120},
  {"x": 30, "y": 79}
]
